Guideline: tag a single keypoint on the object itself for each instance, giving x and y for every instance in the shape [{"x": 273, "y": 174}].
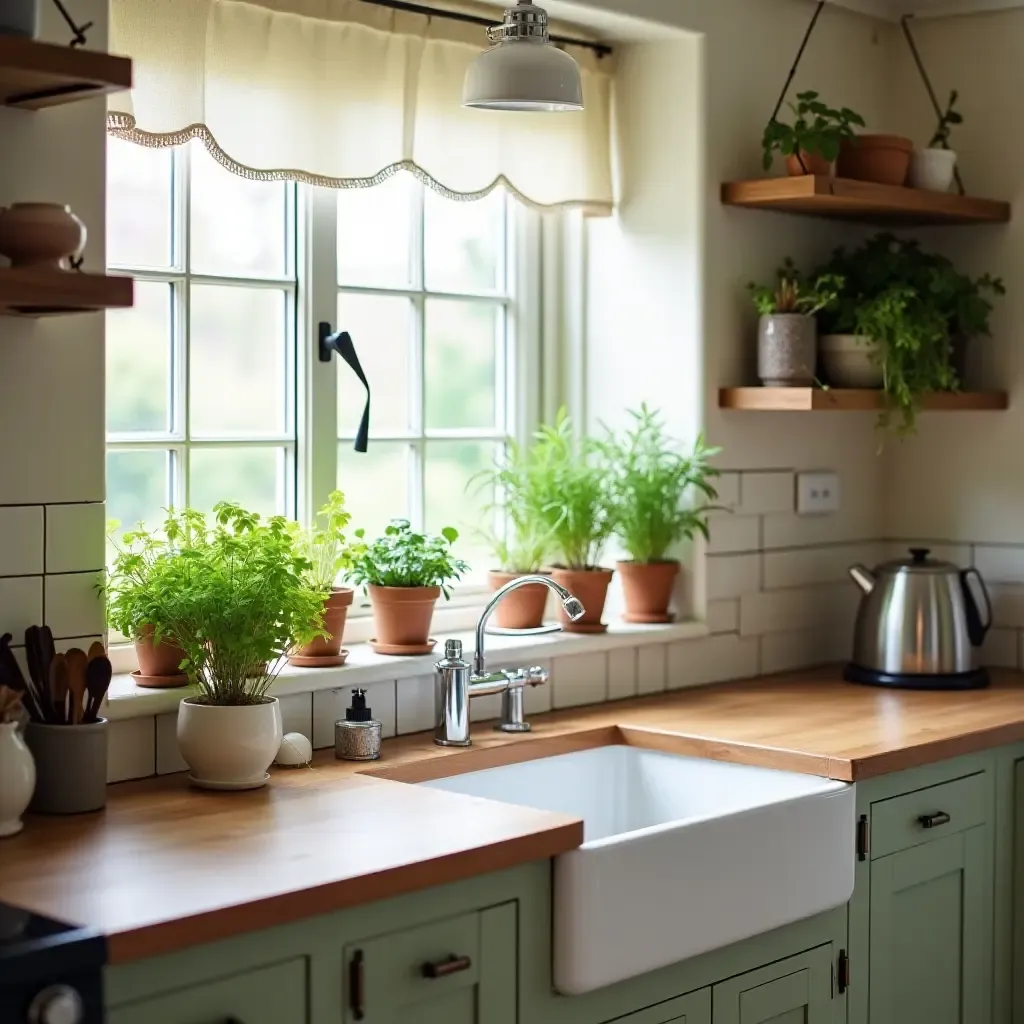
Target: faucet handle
[{"x": 536, "y": 675}]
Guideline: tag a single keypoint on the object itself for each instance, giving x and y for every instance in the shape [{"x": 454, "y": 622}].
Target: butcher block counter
[{"x": 165, "y": 866}]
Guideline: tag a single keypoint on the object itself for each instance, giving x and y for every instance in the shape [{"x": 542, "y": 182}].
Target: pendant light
[{"x": 523, "y": 69}]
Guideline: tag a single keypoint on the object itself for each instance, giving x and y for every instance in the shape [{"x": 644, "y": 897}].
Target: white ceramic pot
[
  {"x": 17, "y": 778},
  {"x": 932, "y": 169},
  {"x": 847, "y": 361},
  {"x": 229, "y": 747}
]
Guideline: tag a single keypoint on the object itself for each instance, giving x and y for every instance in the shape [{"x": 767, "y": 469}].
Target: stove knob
[{"x": 58, "y": 1004}]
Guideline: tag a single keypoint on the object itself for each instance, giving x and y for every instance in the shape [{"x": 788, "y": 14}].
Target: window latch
[{"x": 329, "y": 342}]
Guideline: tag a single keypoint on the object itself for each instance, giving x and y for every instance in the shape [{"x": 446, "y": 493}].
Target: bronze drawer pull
[
  {"x": 442, "y": 968},
  {"x": 356, "y": 985},
  {"x": 934, "y": 820}
]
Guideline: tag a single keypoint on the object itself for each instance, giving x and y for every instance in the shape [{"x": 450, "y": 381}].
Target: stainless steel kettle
[{"x": 918, "y": 624}]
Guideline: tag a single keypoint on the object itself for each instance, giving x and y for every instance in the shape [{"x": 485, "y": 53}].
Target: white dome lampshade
[{"x": 523, "y": 70}]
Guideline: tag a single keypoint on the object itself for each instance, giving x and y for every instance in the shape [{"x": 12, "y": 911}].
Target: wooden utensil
[
  {"x": 97, "y": 680},
  {"x": 76, "y": 661},
  {"x": 37, "y": 703},
  {"x": 97, "y": 650},
  {"x": 46, "y": 648},
  {"x": 59, "y": 688}
]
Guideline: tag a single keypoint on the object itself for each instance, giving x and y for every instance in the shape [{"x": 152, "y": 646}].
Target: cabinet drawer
[
  {"x": 269, "y": 995},
  {"x": 386, "y": 972},
  {"x": 914, "y": 818}
]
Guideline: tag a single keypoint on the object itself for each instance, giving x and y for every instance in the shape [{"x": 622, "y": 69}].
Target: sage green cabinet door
[
  {"x": 461, "y": 970},
  {"x": 694, "y": 1008},
  {"x": 931, "y": 933},
  {"x": 268, "y": 995},
  {"x": 797, "y": 990}
]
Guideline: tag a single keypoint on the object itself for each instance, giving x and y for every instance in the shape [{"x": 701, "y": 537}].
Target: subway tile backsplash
[{"x": 21, "y": 551}]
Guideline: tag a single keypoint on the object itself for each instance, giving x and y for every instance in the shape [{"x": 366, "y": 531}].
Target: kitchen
[{"x": 771, "y": 590}]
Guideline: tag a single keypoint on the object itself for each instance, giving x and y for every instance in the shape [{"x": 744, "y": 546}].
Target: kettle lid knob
[{"x": 920, "y": 555}]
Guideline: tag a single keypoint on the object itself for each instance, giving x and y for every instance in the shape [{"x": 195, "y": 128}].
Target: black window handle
[{"x": 341, "y": 342}]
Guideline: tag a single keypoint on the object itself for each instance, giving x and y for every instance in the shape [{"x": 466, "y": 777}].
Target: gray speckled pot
[{"x": 787, "y": 348}]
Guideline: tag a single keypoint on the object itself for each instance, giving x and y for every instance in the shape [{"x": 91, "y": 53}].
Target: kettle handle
[{"x": 976, "y": 626}]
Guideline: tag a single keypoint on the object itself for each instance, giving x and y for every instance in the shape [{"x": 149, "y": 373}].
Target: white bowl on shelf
[{"x": 848, "y": 361}]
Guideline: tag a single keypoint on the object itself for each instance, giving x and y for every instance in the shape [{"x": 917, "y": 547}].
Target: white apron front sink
[{"x": 680, "y": 855}]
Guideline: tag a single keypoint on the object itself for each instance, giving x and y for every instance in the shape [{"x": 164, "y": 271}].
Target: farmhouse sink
[{"x": 680, "y": 855}]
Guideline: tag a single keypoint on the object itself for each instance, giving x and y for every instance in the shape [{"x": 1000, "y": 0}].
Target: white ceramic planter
[
  {"x": 17, "y": 778},
  {"x": 229, "y": 747},
  {"x": 932, "y": 169},
  {"x": 847, "y": 362}
]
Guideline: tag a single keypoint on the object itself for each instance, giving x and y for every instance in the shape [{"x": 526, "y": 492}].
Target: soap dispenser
[{"x": 357, "y": 736}]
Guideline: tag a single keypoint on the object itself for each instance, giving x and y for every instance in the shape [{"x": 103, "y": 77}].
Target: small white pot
[
  {"x": 229, "y": 747},
  {"x": 17, "y": 778},
  {"x": 847, "y": 361},
  {"x": 932, "y": 169}
]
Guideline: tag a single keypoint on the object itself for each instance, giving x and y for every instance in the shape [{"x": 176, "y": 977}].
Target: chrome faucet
[{"x": 456, "y": 682}]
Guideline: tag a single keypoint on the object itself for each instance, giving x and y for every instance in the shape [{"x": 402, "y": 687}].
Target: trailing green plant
[
  {"x": 523, "y": 536},
  {"x": 574, "y": 494},
  {"x": 816, "y": 129},
  {"x": 949, "y": 118},
  {"x": 792, "y": 293},
  {"x": 910, "y": 302},
  {"x": 233, "y": 594},
  {"x": 661, "y": 495},
  {"x": 325, "y": 546},
  {"x": 403, "y": 557}
]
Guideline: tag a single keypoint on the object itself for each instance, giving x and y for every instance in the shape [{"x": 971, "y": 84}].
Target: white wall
[{"x": 52, "y": 378}]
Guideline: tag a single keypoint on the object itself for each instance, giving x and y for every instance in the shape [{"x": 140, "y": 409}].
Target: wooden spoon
[
  {"x": 77, "y": 662},
  {"x": 97, "y": 650},
  {"x": 97, "y": 679},
  {"x": 59, "y": 688}
]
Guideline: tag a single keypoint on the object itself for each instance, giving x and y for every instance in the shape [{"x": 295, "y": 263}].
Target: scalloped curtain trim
[{"x": 123, "y": 126}]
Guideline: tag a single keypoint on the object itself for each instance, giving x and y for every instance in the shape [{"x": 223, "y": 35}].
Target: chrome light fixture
[{"x": 523, "y": 69}]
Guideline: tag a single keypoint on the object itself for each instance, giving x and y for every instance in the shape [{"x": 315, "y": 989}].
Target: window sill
[{"x": 126, "y": 700}]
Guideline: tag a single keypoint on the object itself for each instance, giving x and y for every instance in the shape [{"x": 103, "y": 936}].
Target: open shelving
[
  {"x": 43, "y": 291},
  {"x": 764, "y": 399}
]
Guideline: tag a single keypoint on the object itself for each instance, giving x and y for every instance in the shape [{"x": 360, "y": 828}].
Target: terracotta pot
[
  {"x": 40, "y": 234},
  {"x": 883, "y": 159},
  {"x": 161, "y": 659},
  {"x": 591, "y": 587},
  {"x": 402, "y": 615},
  {"x": 336, "y": 608},
  {"x": 647, "y": 588},
  {"x": 523, "y": 608},
  {"x": 814, "y": 163}
]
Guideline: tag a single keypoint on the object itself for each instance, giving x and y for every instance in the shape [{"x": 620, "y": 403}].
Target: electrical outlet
[{"x": 817, "y": 493}]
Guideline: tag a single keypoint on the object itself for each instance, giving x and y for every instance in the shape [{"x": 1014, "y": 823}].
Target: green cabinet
[
  {"x": 797, "y": 990},
  {"x": 694, "y": 1008},
  {"x": 461, "y": 970},
  {"x": 265, "y": 995},
  {"x": 931, "y": 932}
]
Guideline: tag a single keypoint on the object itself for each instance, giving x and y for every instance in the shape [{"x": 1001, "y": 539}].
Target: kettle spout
[{"x": 864, "y": 578}]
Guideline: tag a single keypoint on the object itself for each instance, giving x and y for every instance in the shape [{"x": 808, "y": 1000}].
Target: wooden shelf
[
  {"x": 34, "y": 291},
  {"x": 35, "y": 75},
  {"x": 821, "y": 196},
  {"x": 843, "y": 400}
]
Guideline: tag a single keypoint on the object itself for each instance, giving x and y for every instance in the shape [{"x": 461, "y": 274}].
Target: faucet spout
[{"x": 570, "y": 603}]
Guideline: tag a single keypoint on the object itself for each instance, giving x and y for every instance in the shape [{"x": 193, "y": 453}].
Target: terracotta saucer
[
  {"x": 400, "y": 649},
  {"x": 326, "y": 661},
  {"x": 592, "y": 627},
  {"x": 160, "y": 682},
  {"x": 640, "y": 618}
]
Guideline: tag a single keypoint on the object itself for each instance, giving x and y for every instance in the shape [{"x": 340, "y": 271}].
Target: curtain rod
[{"x": 473, "y": 19}]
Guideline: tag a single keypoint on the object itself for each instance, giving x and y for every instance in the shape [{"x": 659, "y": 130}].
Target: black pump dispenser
[{"x": 358, "y": 712}]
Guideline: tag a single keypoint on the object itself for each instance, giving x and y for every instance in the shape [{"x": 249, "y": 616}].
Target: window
[{"x": 214, "y": 388}]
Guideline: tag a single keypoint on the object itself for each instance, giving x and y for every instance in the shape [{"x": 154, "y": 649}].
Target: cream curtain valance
[{"x": 343, "y": 94}]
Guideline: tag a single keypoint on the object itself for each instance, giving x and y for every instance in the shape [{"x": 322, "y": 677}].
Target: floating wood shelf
[
  {"x": 846, "y": 400},
  {"x": 34, "y": 291},
  {"x": 35, "y": 75},
  {"x": 821, "y": 196}
]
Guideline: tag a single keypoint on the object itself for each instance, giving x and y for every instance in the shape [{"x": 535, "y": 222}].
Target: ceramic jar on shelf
[{"x": 40, "y": 235}]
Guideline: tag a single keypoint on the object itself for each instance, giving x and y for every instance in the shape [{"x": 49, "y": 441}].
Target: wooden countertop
[{"x": 166, "y": 867}]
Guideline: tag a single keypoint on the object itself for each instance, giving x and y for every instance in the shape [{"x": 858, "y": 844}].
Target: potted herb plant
[
  {"x": 933, "y": 167},
  {"x": 579, "y": 508},
  {"x": 241, "y": 596},
  {"x": 523, "y": 537},
  {"x": 662, "y": 496},
  {"x": 138, "y": 598},
  {"x": 405, "y": 572},
  {"x": 811, "y": 143},
  {"x": 330, "y": 555},
  {"x": 787, "y": 333}
]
